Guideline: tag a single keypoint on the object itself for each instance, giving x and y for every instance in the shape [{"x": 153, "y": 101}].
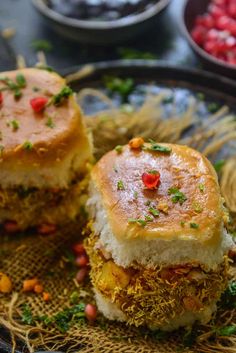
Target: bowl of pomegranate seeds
[{"x": 210, "y": 28}]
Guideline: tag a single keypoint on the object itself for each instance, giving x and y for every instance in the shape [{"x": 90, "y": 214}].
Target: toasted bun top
[
  {"x": 53, "y": 132},
  {"x": 199, "y": 217}
]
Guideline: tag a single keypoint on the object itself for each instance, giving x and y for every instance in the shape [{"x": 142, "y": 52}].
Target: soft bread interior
[{"x": 154, "y": 252}]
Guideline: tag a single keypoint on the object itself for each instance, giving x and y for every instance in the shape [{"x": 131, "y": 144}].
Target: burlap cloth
[{"x": 47, "y": 259}]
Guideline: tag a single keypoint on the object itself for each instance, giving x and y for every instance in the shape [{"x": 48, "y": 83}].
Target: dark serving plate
[
  {"x": 182, "y": 82},
  {"x": 101, "y": 32}
]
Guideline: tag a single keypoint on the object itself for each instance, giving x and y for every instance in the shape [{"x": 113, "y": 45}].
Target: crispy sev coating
[{"x": 154, "y": 296}]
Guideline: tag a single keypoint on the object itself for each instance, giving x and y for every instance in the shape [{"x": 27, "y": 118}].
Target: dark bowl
[
  {"x": 191, "y": 9},
  {"x": 100, "y": 32}
]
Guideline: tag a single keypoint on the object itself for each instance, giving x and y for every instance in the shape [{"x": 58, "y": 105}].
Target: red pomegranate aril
[
  {"x": 199, "y": 21},
  {"x": 151, "y": 180},
  {"x": 221, "y": 3},
  {"x": 1, "y": 98},
  {"x": 232, "y": 28},
  {"x": 79, "y": 249},
  {"x": 198, "y": 34},
  {"x": 216, "y": 11},
  {"x": 90, "y": 312},
  {"x": 230, "y": 42},
  {"x": 47, "y": 229},
  {"x": 11, "y": 227},
  {"x": 232, "y": 10},
  {"x": 208, "y": 21},
  {"x": 82, "y": 260},
  {"x": 81, "y": 275},
  {"x": 223, "y": 23},
  {"x": 38, "y": 104},
  {"x": 215, "y": 31},
  {"x": 213, "y": 34},
  {"x": 211, "y": 47}
]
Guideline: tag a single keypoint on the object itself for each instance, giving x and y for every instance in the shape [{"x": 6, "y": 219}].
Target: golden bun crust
[
  {"x": 198, "y": 218},
  {"x": 50, "y": 145}
]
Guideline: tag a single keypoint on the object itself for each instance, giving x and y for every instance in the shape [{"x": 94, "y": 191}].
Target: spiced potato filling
[{"x": 155, "y": 296}]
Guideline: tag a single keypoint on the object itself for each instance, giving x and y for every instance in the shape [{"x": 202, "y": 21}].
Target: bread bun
[
  {"x": 179, "y": 221},
  {"x": 41, "y": 149}
]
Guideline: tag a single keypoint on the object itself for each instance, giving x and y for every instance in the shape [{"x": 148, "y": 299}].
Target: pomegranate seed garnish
[
  {"x": 232, "y": 10},
  {"x": 46, "y": 229},
  {"x": 215, "y": 31},
  {"x": 38, "y": 104},
  {"x": 11, "y": 227},
  {"x": 1, "y": 98},
  {"x": 90, "y": 312},
  {"x": 81, "y": 274},
  {"x": 79, "y": 249},
  {"x": 82, "y": 260},
  {"x": 198, "y": 34},
  {"x": 151, "y": 179}
]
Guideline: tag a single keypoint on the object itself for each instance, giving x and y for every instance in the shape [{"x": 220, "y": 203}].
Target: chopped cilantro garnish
[
  {"x": 65, "y": 93},
  {"x": 228, "y": 299},
  {"x": 27, "y": 316},
  {"x": 213, "y": 107},
  {"x": 182, "y": 223},
  {"x": 118, "y": 85},
  {"x": 226, "y": 330},
  {"x": 41, "y": 44},
  {"x": 135, "y": 195},
  {"x": 197, "y": 207},
  {"x": 201, "y": 187},
  {"x": 168, "y": 99},
  {"x": 119, "y": 149},
  {"x": 219, "y": 165},
  {"x": 120, "y": 185},
  {"x": 50, "y": 123},
  {"x": 130, "y": 53},
  {"x": 201, "y": 96},
  {"x": 148, "y": 218},
  {"x": 194, "y": 225},
  {"x": 154, "y": 211},
  {"x": 154, "y": 172},
  {"x": 15, "y": 87},
  {"x": 27, "y": 145},
  {"x": 74, "y": 297},
  {"x": 157, "y": 148},
  {"x": 147, "y": 203},
  {"x": 45, "y": 67},
  {"x": 15, "y": 124},
  {"x": 140, "y": 222},
  {"x": 178, "y": 196},
  {"x": 21, "y": 81}
]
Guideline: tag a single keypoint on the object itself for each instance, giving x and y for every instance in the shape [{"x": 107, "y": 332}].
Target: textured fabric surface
[{"x": 45, "y": 258}]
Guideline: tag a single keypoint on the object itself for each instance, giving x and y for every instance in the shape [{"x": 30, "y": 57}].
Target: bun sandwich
[
  {"x": 44, "y": 150},
  {"x": 158, "y": 243}
]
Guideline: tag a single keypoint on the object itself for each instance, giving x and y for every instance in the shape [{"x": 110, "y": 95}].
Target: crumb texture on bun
[{"x": 45, "y": 148}]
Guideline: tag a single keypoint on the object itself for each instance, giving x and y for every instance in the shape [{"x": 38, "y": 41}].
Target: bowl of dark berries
[
  {"x": 100, "y": 21},
  {"x": 210, "y": 28}
]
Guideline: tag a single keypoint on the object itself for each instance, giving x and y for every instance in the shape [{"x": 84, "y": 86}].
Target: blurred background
[
  {"x": 25, "y": 32},
  {"x": 186, "y": 33}
]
